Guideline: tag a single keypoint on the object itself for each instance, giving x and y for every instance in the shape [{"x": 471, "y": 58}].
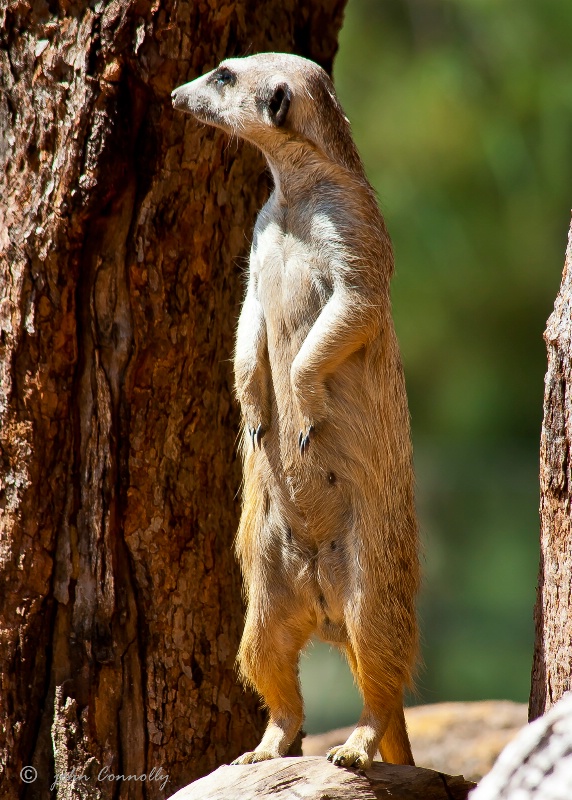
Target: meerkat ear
[{"x": 279, "y": 104}]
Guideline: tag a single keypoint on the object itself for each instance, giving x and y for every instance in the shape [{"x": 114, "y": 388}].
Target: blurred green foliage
[{"x": 462, "y": 111}]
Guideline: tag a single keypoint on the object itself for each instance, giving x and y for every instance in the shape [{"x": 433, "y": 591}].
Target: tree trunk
[
  {"x": 122, "y": 228},
  {"x": 552, "y": 665}
]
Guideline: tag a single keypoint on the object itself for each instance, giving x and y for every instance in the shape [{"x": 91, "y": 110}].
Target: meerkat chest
[{"x": 293, "y": 276}]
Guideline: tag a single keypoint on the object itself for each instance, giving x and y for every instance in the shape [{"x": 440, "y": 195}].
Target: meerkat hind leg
[
  {"x": 395, "y": 747},
  {"x": 379, "y": 725},
  {"x": 279, "y": 734},
  {"x": 274, "y": 674}
]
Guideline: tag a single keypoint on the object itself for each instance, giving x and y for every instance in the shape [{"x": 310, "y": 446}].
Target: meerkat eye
[
  {"x": 279, "y": 104},
  {"x": 224, "y": 77}
]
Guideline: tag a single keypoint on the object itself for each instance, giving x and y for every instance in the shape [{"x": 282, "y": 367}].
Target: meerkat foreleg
[
  {"x": 344, "y": 325},
  {"x": 251, "y": 368}
]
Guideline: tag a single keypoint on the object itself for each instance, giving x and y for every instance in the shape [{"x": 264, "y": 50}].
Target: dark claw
[
  {"x": 304, "y": 440},
  {"x": 256, "y": 435}
]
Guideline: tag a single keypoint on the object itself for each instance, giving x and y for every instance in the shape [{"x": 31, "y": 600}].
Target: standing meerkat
[{"x": 328, "y": 536}]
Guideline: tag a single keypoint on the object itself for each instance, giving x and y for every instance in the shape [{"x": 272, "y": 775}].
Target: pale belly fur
[{"x": 311, "y": 503}]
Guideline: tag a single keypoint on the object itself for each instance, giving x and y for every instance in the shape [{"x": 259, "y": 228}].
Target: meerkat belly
[
  {"x": 312, "y": 509},
  {"x": 317, "y": 576}
]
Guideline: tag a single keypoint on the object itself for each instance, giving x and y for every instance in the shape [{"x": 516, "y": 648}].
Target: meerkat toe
[
  {"x": 343, "y": 756},
  {"x": 253, "y": 757}
]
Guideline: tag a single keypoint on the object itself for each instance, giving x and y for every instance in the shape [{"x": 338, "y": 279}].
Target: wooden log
[{"x": 315, "y": 778}]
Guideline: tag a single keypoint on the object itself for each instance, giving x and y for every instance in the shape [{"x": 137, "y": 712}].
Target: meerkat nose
[{"x": 178, "y": 97}]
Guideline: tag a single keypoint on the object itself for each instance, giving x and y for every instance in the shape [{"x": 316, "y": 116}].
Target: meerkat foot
[
  {"x": 344, "y": 756},
  {"x": 256, "y": 435},
  {"x": 304, "y": 439},
  {"x": 254, "y": 756}
]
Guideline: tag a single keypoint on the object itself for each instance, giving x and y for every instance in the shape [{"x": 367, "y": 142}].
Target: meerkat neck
[{"x": 299, "y": 166}]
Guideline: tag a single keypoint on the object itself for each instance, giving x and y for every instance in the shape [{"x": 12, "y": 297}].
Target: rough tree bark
[
  {"x": 122, "y": 226},
  {"x": 552, "y": 664}
]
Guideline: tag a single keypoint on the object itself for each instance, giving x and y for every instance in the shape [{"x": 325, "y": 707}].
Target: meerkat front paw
[
  {"x": 256, "y": 422},
  {"x": 253, "y": 757},
  {"x": 310, "y": 400},
  {"x": 344, "y": 756}
]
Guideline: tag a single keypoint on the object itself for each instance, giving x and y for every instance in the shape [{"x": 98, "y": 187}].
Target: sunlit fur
[{"x": 328, "y": 539}]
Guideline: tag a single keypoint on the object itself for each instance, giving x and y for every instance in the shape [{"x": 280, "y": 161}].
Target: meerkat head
[{"x": 269, "y": 99}]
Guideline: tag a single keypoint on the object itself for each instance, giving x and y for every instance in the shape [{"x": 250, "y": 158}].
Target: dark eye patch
[{"x": 223, "y": 77}]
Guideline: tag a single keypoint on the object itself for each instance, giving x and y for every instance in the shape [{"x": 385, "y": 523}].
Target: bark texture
[
  {"x": 315, "y": 778},
  {"x": 552, "y": 664},
  {"x": 122, "y": 226}
]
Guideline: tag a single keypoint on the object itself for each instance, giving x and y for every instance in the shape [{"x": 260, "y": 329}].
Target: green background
[{"x": 462, "y": 111}]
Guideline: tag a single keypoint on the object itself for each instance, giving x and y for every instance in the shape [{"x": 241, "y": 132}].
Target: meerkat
[{"x": 327, "y": 539}]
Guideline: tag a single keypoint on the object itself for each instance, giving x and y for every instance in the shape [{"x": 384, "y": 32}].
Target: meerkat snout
[
  {"x": 185, "y": 98},
  {"x": 174, "y": 99},
  {"x": 204, "y": 97}
]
